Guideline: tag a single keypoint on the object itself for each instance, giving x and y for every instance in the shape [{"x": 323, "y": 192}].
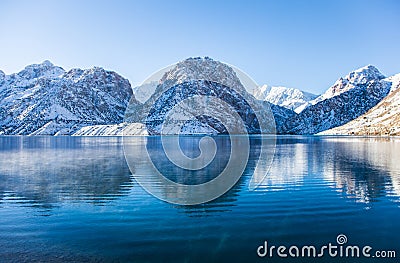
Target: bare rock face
[{"x": 43, "y": 99}]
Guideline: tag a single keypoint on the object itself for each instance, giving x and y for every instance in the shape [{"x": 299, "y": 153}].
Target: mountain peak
[
  {"x": 199, "y": 58},
  {"x": 46, "y": 68},
  {"x": 354, "y": 79},
  {"x": 47, "y": 63},
  {"x": 77, "y": 74},
  {"x": 203, "y": 68},
  {"x": 364, "y": 75},
  {"x": 368, "y": 67}
]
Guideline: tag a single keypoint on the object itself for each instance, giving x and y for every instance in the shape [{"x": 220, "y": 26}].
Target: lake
[{"x": 74, "y": 199}]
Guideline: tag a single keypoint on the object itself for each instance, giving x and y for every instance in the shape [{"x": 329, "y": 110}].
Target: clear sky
[{"x": 301, "y": 44}]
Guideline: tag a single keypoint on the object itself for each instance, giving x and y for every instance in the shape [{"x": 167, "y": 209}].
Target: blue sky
[{"x": 302, "y": 44}]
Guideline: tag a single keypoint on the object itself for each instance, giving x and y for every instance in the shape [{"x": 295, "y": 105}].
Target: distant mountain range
[
  {"x": 44, "y": 99},
  {"x": 290, "y": 98}
]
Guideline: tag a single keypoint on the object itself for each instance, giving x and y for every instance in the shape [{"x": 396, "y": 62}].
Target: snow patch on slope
[{"x": 394, "y": 82}]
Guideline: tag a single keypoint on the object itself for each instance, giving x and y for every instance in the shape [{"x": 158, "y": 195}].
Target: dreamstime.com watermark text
[{"x": 338, "y": 249}]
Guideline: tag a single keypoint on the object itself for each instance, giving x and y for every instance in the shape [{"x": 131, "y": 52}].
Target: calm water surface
[{"x": 74, "y": 199}]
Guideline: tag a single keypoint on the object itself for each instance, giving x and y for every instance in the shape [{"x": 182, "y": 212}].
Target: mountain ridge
[
  {"x": 347, "y": 99},
  {"x": 356, "y": 77},
  {"x": 382, "y": 119},
  {"x": 44, "y": 99}
]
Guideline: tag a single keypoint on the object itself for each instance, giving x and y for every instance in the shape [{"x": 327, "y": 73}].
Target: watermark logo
[
  {"x": 200, "y": 119},
  {"x": 341, "y": 239},
  {"x": 339, "y": 249}
]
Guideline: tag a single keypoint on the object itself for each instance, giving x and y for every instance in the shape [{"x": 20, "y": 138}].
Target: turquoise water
[{"x": 74, "y": 199}]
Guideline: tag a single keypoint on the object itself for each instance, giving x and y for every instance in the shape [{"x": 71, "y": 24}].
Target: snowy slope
[
  {"x": 355, "y": 78},
  {"x": 394, "y": 82},
  {"x": 181, "y": 73},
  {"x": 347, "y": 99},
  {"x": 383, "y": 119},
  {"x": 290, "y": 98},
  {"x": 203, "y": 77},
  {"x": 113, "y": 130},
  {"x": 44, "y": 99}
]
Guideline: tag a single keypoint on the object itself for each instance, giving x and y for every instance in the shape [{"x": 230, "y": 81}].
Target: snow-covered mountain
[
  {"x": 347, "y": 99},
  {"x": 186, "y": 79},
  {"x": 45, "y": 99},
  {"x": 383, "y": 119},
  {"x": 201, "y": 77},
  {"x": 355, "y": 78},
  {"x": 290, "y": 98}
]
